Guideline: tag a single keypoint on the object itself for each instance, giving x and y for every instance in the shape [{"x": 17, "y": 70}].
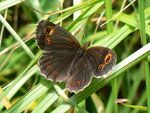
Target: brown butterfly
[{"x": 64, "y": 59}]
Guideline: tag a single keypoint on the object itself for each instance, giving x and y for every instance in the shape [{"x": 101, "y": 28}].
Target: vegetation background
[{"x": 127, "y": 31}]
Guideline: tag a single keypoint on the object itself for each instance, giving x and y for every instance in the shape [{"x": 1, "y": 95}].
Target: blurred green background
[{"x": 125, "y": 34}]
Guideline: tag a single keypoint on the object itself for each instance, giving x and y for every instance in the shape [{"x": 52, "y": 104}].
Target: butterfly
[{"x": 64, "y": 59}]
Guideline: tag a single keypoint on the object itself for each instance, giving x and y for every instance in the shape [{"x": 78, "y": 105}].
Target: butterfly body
[{"x": 64, "y": 59}]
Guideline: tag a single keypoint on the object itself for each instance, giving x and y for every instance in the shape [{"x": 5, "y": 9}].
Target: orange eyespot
[
  {"x": 100, "y": 67},
  {"x": 77, "y": 82},
  {"x": 83, "y": 81},
  {"x": 108, "y": 58},
  {"x": 72, "y": 83},
  {"x": 47, "y": 41},
  {"x": 50, "y": 68},
  {"x": 49, "y": 30}
]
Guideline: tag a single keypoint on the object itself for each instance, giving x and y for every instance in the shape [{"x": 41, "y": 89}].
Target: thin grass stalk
[
  {"x": 110, "y": 30},
  {"x": 15, "y": 35},
  {"x": 144, "y": 42}
]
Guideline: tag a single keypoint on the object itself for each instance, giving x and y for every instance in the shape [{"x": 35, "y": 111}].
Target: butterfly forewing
[
  {"x": 51, "y": 37},
  {"x": 101, "y": 60}
]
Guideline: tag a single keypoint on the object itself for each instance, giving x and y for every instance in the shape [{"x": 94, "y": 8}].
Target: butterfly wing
[
  {"x": 101, "y": 59},
  {"x": 59, "y": 48},
  {"x": 81, "y": 76},
  {"x": 56, "y": 66},
  {"x": 62, "y": 52},
  {"x": 50, "y": 37}
]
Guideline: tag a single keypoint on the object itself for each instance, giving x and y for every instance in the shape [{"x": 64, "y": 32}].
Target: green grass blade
[
  {"x": 11, "y": 30},
  {"x": 46, "y": 103},
  {"x": 32, "y": 95},
  {"x": 110, "y": 28},
  {"x": 115, "y": 38},
  {"x": 9, "y": 3},
  {"x": 18, "y": 82},
  {"x": 144, "y": 42}
]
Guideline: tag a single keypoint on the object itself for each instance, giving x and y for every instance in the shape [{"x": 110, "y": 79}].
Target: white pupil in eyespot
[
  {"x": 46, "y": 41},
  {"x": 108, "y": 58},
  {"x": 48, "y": 30}
]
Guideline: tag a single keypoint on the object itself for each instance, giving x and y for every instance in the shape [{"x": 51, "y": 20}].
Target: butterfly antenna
[{"x": 40, "y": 11}]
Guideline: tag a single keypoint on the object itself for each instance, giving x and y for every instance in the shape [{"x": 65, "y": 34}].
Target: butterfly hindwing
[
  {"x": 101, "y": 59},
  {"x": 50, "y": 37},
  {"x": 56, "y": 66},
  {"x": 80, "y": 77}
]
